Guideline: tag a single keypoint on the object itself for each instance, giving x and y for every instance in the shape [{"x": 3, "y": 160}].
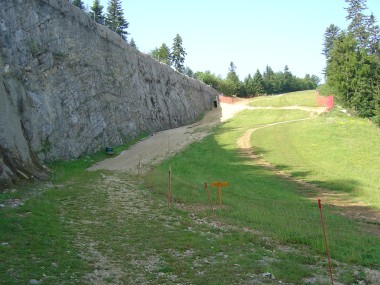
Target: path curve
[
  {"x": 341, "y": 201},
  {"x": 161, "y": 145}
]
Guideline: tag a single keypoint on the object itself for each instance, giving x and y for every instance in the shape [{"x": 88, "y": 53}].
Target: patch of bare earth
[
  {"x": 161, "y": 145},
  {"x": 124, "y": 200}
]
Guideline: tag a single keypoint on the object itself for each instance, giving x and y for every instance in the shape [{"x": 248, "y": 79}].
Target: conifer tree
[
  {"x": 79, "y": 3},
  {"x": 133, "y": 44},
  {"x": 248, "y": 85},
  {"x": 373, "y": 45},
  {"x": 115, "y": 20},
  {"x": 178, "y": 54},
  {"x": 288, "y": 81},
  {"x": 331, "y": 34},
  {"x": 258, "y": 83},
  {"x": 358, "y": 20},
  {"x": 232, "y": 85},
  {"x": 96, "y": 12},
  {"x": 353, "y": 65},
  {"x": 268, "y": 78}
]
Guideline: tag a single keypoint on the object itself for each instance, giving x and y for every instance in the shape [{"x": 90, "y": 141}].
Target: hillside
[{"x": 115, "y": 227}]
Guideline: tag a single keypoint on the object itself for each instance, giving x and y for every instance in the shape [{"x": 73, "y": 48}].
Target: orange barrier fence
[
  {"x": 328, "y": 101},
  {"x": 229, "y": 100}
]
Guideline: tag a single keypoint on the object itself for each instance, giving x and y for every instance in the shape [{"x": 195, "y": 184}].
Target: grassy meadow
[
  {"x": 106, "y": 227},
  {"x": 300, "y": 98},
  {"x": 258, "y": 198},
  {"x": 334, "y": 151}
]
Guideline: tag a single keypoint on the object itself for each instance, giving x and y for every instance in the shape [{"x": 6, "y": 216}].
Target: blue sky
[{"x": 250, "y": 33}]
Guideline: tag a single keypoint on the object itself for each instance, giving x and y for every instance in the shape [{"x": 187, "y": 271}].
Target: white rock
[{"x": 268, "y": 275}]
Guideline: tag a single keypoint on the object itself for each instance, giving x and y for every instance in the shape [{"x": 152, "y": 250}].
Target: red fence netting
[
  {"x": 229, "y": 100},
  {"x": 328, "y": 101}
]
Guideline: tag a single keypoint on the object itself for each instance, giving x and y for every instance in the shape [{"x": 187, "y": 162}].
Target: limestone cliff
[{"x": 69, "y": 86}]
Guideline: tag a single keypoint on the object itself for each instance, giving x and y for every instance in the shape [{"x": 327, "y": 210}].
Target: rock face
[{"x": 69, "y": 86}]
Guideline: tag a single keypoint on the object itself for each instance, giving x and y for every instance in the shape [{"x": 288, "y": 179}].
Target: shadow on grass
[
  {"x": 349, "y": 186},
  {"x": 257, "y": 197}
]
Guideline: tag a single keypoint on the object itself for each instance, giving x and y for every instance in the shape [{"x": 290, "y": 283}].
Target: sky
[{"x": 250, "y": 33}]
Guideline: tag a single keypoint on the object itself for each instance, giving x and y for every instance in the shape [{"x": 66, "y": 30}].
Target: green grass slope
[
  {"x": 300, "y": 98},
  {"x": 256, "y": 197},
  {"x": 335, "y": 151},
  {"x": 110, "y": 228}
]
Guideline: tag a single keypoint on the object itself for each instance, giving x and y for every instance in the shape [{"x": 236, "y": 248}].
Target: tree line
[
  {"x": 268, "y": 83},
  {"x": 353, "y": 61}
]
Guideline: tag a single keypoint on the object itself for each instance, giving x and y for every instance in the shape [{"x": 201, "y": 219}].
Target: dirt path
[
  {"x": 154, "y": 149},
  {"x": 161, "y": 145},
  {"x": 341, "y": 201}
]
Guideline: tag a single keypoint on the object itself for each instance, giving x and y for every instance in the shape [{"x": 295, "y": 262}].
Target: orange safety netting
[
  {"x": 328, "y": 101},
  {"x": 229, "y": 100}
]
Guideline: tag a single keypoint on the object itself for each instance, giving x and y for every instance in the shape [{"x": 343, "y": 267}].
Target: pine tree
[
  {"x": 115, "y": 20},
  {"x": 248, "y": 85},
  {"x": 232, "y": 85},
  {"x": 331, "y": 34},
  {"x": 258, "y": 83},
  {"x": 96, "y": 12},
  {"x": 79, "y": 3},
  {"x": 178, "y": 54},
  {"x": 288, "y": 85},
  {"x": 373, "y": 45},
  {"x": 133, "y": 44},
  {"x": 358, "y": 20},
  {"x": 353, "y": 65},
  {"x": 341, "y": 67},
  {"x": 268, "y": 77}
]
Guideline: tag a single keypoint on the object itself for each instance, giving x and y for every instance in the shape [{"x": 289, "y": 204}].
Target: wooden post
[
  {"x": 169, "y": 186},
  {"x": 139, "y": 168},
  {"x": 327, "y": 246},
  {"x": 210, "y": 200},
  {"x": 220, "y": 195},
  {"x": 219, "y": 185},
  {"x": 209, "y": 196}
]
